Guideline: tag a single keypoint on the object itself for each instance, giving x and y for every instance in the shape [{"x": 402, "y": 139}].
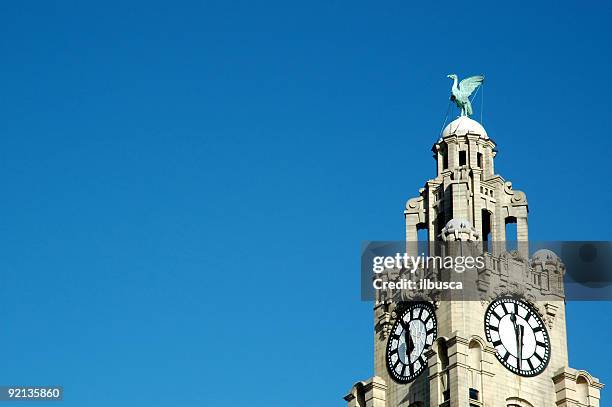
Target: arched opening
[
  {"x": 443, "y": 354},
  {"x": 421, "y": 232},
  {"x": 582, "y": 390},
  {"x": 511, "y": 236},
  {"x": 361, "y": 401},
  {"x": 440, "y": 223},
  {"x": 517, "y": 402},
  {"x": 357, "y": 394},
  {"x": 475, "y": 355},
  {"x": 444, "y": 374},
  {"x": 422, "y": 238},
  {"x": 486, "y": 230},
  {"x": 475, "y": 364}
]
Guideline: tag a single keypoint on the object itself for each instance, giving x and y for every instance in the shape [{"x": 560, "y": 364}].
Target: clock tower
[{"x": 506, "y": 348}]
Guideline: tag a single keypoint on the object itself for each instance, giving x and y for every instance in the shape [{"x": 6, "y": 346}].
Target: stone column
[
  {"x": 375, "y": 392},
  {"x": 453, "y": 153},
  {"x": 565, "y": 387},
  {"x": 430, "y": 214},
  {"x": 368, "y": 394},
  {"x": 472, "y": 151},
  {"x": 412, "y": 237},
  {"x": 477, "y": 200},
  {"x": 498, "y": 224},
  {"x": 489, "y": 161},
  {"x": 460, "y": 200},
  {"x": 522, "y": 235},
  {"x": 439, "y": 159},
  {"x": 458, "y": 369},
  {"x": 488, "y": 392},
  {"x": 435, "y": 390},
  {"x": 352, "y": 400}
]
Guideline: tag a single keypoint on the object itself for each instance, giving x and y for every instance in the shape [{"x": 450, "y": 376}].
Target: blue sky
[{"x": 186, "y": 185}]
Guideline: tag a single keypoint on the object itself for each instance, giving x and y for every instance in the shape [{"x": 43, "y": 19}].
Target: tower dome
[
  {"x": 545, "y": 256},
  {"x": 462, "y": 126}
]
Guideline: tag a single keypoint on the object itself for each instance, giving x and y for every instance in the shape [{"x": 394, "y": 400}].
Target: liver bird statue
[{"x": 460, "y": 94}]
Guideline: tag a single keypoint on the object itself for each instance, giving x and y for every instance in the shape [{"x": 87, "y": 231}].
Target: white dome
[
  {"x": 544, "y": 255},
  {"x": 464, "y": 125}
]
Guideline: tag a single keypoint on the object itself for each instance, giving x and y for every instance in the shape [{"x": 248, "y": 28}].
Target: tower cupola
[
  {"x": 466, "y": 188},
  {"x": 464, "y": 144}
]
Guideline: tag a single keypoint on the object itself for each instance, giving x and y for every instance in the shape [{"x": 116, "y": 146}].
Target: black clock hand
[
  {"x": 404, "y": 324},
  {"x": 408, "y": 340},
  {"x": 409, "y": 345},
  {"x": 521, "y": 333},
  {"x": 518, "y": 333}
]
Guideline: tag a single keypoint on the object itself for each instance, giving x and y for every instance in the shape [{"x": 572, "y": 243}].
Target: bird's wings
[{"x": 468, "y": 85}]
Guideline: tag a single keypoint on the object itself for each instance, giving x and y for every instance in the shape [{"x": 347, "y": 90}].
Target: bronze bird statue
[{"x": 460, "y": 94}]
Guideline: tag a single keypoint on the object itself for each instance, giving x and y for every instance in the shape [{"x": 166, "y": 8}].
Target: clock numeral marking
[
  {"x": 397, "y": 362},
  {"x": 505, "y": 308},
  {"x": 530, "y": 364},
  {"x": 493, "y": 328},
  {"x": 506, "y": 356},
  {"x": 497, "y": 343},
  {"x": 538, "y": 357},
  {"x": 537, "y": 329},
  {"x": 542, "y": 344}
]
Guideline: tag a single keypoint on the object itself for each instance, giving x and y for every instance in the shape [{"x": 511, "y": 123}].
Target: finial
[{"x": 460, "y": 94}]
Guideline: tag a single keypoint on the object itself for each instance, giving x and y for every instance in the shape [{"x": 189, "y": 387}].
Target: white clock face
[
  {"x": 519, "y": 336},
  {"x": 411, "y": 335}
]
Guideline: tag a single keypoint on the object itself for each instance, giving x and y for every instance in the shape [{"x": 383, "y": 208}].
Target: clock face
[
  {"x": 411, "y": 335},
  {"x": 519, "y": 336}
]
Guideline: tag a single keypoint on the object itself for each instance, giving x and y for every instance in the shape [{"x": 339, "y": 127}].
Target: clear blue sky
[{"x": 185, "y": 185}]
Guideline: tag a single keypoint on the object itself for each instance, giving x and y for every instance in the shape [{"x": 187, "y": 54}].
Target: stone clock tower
[{"x": 486, "y": 352}]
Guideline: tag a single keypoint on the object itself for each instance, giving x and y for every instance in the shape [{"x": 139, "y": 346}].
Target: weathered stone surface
[{"x": 467, "y": 201}]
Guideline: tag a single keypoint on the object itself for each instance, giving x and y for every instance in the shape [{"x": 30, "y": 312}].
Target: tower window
[
  {"x": 511, "y": 234},
  {"x": 486, "y": 230},
  {"x": 422, "y": 237},
  {"x": 440, "y": 223},
  {"x": 479, "y": 159},
  {"x": 473, "y": 394},
  {"x": 462, "y": 157},
  {"x": 444, "y": 160}
]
